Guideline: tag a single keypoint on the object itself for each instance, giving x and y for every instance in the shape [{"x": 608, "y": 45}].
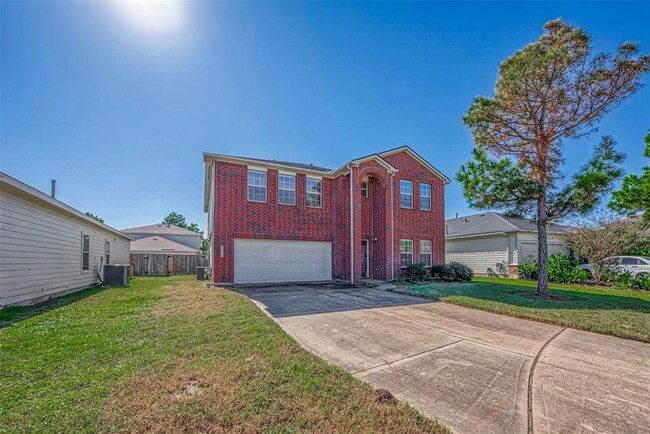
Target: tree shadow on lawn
[
  {"x": 521, "y": 296},
  {"x": 12, "y": 315}
]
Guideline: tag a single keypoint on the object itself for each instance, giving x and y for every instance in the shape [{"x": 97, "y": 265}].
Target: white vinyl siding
[
  {"x": 267, "y": 261},
  {"x": 479, "y": 254},
  {"x": 314, "y": 193},
  {"x": 41, "y": 251},
  {"x": 286, "y": 190},
  {"x": 405, "y": 253},
  {"x": 256, "y": 186},
  {"x": 406, "y": 194}
]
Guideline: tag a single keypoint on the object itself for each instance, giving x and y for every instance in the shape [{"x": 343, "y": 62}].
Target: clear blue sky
[{"x": 119, "y": 103}]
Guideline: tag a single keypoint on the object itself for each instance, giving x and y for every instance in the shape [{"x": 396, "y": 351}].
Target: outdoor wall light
[{"x": 375, "y": 239}]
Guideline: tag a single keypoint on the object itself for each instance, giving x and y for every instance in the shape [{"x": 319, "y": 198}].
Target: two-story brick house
[{"x": 275, "y": 221}]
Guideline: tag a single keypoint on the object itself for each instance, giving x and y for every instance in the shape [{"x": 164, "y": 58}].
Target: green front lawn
[
  {"x": 610, "y": 311},
  {"x": 170, "y": 355}
]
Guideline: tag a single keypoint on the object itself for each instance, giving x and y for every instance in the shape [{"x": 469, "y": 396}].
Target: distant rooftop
[
  {"x": 160, "y": 229},
  {"x": 159, "y": 244},
  {"x": 493, "y": 222}
]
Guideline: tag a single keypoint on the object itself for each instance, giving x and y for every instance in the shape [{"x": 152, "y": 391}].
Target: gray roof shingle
[
  {"x": 159, "y": 244},
  {"x": 493, "y": 222},
  {"x": 160, "y": 229},
  {"x": 291, "y": 164}
]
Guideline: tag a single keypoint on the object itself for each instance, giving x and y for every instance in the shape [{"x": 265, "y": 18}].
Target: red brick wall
[
  {"x": 235, "y": 217},
  {"x": 413, "y": 223}
]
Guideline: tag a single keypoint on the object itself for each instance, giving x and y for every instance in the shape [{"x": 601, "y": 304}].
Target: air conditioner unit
[
  {"x": 116, "y": 275},
  {"x": 202, "y": 273}
]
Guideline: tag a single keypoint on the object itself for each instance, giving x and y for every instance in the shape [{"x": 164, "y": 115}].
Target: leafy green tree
[
  {"x": 553, "y": 90},
  {"x": 175, "y": 219},
  {"x": 634, "y": 195},
  {"x": 205, "y": 245},
  {"x": 194, "y": 228},
  {"x": 93, "y": 216}
]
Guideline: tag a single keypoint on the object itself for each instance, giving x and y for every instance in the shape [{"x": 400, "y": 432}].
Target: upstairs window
[
  {"x": 85, "y": 252},
  {"x": 405, "y": 253},
  {"x": 425, "y": 252},
  {"x": 107, "y": 251},
  {"x": 406, "y": 194},
  {"x": 314, "y": 193},
  {"x": 425, "y": 197},
  {"x": 364, "y": 189},
  {"x": 256, "y": 186},
  {"x": 286, "y": 190}
]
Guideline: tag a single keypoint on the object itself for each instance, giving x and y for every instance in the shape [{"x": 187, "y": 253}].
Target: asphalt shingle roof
[
  {"x": 159, "y": 244},
  {"x": 493, "y": 222},
  {"x": 292, "y": 164},
  {"x": 159, "y": 229}
]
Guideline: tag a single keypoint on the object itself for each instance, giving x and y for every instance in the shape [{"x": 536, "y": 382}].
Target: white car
[{"x": 635, "y": 265}]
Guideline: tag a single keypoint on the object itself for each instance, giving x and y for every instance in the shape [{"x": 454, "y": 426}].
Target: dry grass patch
[{"x": 170, "y": 355}]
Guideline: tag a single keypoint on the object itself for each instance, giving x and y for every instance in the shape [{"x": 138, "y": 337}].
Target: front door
[{"x": 365, "y": 272}]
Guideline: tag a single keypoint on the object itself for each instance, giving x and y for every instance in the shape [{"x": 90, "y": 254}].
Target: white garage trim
[{"x": 271, "y": 261}]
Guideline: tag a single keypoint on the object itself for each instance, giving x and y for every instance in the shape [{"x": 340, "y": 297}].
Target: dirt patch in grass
[
  {"x": 188, "y": 299},
  {"x": 177, "y": 401}
]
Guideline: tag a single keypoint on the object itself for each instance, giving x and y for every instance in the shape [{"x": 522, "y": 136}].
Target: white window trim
[
  {"x": 266, "y": 187},
  {"x": 427, "y": 253},
  {"x": 364, "y": 189},
  {"x": 405, "y": 253},
  {"x": 429, "y": 197},
  {"x": 107, "y": 251},
  {"x": 405, "y": 194},
  {"x": 83, "y": 236},
  {"x": 295, "y": 195},
  {"x": 307, "y": 192}
]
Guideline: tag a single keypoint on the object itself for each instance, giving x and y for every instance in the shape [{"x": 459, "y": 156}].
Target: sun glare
[{"x": 153, "y": 16}]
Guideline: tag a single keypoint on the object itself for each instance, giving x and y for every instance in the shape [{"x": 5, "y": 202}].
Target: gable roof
[
  {"x": 160, "y": 229},
  {"x": 49, "y": 201},
  {"x": 493, "y": 223},
  {"x": 159, "y": 244}
]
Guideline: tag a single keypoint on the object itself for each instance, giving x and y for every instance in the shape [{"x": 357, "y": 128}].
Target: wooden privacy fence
[{"x": 162, "y": 264}]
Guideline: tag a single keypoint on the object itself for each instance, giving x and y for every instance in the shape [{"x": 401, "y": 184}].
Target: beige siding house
[
  {"x": 161, "y": 232},
  {"x": 48, "y": 248},
  {"x": 494, "y": 242}
]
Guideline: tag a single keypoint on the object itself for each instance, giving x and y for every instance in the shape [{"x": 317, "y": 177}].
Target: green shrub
[
  {"x": 463, "y": 272},
  {"x": 561, "y": 269},
  {"x": 436, "y": 270},
  {"x": 564, "y": 269},
  {"x": 447, "y": 273},
  {"x": 626, "y": 281},
  {"x": 528, "y": 269},
  {"x": 415, "y": 272}
]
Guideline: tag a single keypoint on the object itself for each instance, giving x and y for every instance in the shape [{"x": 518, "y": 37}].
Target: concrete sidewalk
[{"x": 468, "y": 368}]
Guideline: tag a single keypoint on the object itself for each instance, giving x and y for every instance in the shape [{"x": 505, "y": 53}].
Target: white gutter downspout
[
  {"x": 392, "y": 230},
  {"x": 351, "y": 228}
]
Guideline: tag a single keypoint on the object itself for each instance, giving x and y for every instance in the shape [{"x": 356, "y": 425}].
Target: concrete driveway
[{"x": 470, "y": 369}]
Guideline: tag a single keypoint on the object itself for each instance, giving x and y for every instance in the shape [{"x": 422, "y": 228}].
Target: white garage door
[{"x": 266, "y": 261}]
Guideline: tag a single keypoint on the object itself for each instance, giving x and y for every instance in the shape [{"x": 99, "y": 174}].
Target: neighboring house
[
  {"x": 161, "y": 231},
  {"x": 48, "y": 248},
  {"x": 494, "y": 241},
  {"x": 164, "y": 249},
  {"x": 276, "y": 221}
]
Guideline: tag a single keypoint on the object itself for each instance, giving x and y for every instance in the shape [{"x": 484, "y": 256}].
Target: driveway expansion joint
[
  {"x": 409, "y": 357},
  {"x": 531, "y": 374}
]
